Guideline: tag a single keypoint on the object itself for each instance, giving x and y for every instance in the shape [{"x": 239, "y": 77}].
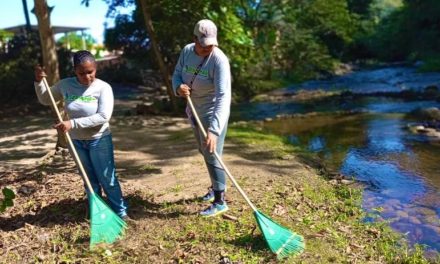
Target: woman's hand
[
  {"x": 211, "y": 142},
  {"x": 184, "y": 90},
  {"x": 39, "y": 73},
  {"x": 63, "y": 126}
]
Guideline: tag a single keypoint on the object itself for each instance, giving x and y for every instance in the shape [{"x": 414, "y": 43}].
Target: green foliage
[
  {"x": 359, "y": 7},
  {"x": 380, "y": 9},
  {"x": 234, "y": 39},
  {"x": 410, "y": 32},
  {"x": 75, "y": 41},
  {"x": 294, "y": 39},
  {"x": 4, "y": 36},
  {"x": 431, "y": 64},
  {"x": 130, "y": 36},
  {"x": 8, "y": 200},
  {"x": 17, "y": 68}
]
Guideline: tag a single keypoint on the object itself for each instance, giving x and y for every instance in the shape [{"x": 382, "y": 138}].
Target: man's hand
[
  {"x": 184, "y": 90},
  {"x": 63, "y": 126},
  {"x": 39, "y": 73},
  {"x": 211, "y": 142}
]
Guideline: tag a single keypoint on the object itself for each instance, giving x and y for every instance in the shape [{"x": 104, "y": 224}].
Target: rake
[
  {"x": 106, "y": 225},
  {"x": 280, "y": 240}
]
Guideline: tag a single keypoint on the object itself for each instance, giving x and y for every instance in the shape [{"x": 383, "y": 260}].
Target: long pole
[
  {"x": 202, "y": 129},
  {"x": 69, "y": 140},
  {"x": 26, "y": 15}
]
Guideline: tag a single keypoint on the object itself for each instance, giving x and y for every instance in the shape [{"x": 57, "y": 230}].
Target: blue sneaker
[
  {"x": 209, "y": 197},
  {"x": 215, "y": 209}
]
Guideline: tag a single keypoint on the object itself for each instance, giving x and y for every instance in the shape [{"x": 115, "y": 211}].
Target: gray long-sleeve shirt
[
  {"x": 89, "y": 108},
  {"x": 211, "y": 89}
]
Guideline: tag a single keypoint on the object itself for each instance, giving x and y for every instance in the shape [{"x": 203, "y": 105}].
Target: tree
[
  {"x": 50, "y": 58},
  {"x": 48, "y": 47}
]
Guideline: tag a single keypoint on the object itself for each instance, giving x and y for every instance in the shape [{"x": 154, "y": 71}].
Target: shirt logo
[
  {"x": 192, "y": 70},
  {"x": 84, "y": 99}
]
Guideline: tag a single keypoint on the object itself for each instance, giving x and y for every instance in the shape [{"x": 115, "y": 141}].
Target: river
[{"x": 372, "y": 144}]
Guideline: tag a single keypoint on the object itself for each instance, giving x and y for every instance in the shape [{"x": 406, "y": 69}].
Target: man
[{"x": 203, "y": 72}]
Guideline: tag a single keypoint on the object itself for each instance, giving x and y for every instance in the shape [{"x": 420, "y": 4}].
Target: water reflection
[
  {"x": 316, "y": 144},
  {"x": 385, "y": 136},
  {"x": 401, "y": 169}
]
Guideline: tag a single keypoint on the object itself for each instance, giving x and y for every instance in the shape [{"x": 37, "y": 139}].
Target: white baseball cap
[{"x": 206, "y": 32}]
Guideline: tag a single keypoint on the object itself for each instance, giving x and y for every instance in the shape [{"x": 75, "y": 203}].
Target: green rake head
[
  {"x": 280, "y": 240},
  {"x": 106, "y": 226}
]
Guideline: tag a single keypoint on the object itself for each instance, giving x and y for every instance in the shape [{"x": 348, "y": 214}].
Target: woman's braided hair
[{"x": 82, "y": 56}]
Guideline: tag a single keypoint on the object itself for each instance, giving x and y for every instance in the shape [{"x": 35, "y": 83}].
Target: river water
[{"x": 401, "y": 170}]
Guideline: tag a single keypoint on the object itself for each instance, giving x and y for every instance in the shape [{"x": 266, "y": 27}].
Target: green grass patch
[{"x": 247, "y": 134}]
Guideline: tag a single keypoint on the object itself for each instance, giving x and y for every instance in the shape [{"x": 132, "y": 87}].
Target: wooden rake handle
[
  {"x": 69, "y": 140},
  {"x": 202, "y": 129}
]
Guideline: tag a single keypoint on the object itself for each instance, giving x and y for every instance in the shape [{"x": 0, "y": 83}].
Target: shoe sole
[
  {"x": 209, "y": 200},
  {"x": 216, "y": 213}
]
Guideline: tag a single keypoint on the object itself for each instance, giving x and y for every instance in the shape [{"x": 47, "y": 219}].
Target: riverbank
[{"x": 162, "y": 175}]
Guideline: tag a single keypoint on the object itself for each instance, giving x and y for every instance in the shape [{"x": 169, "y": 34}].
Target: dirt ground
[{"x": 158, "y": 167}]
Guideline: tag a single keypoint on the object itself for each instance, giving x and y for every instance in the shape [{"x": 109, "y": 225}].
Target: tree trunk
[
  {"x": 154, "y": 43},
  {"x": 50, "y": 58}
]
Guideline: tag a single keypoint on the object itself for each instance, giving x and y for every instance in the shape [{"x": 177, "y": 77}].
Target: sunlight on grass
[{"x": 278, "y": 146}]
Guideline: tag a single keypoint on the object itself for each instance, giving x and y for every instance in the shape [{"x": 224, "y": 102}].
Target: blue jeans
[
  {"x": 215, "y": 170},
  {"x": 97, "y": 158}
]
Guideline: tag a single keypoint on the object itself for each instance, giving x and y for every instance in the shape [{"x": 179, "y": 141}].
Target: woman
[
  {"x": 89, "y": 104},
  {"x": 203, "y": 71}
]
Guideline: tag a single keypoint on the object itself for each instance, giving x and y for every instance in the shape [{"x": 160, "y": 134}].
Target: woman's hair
[{"x": 82, "y": 56}]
